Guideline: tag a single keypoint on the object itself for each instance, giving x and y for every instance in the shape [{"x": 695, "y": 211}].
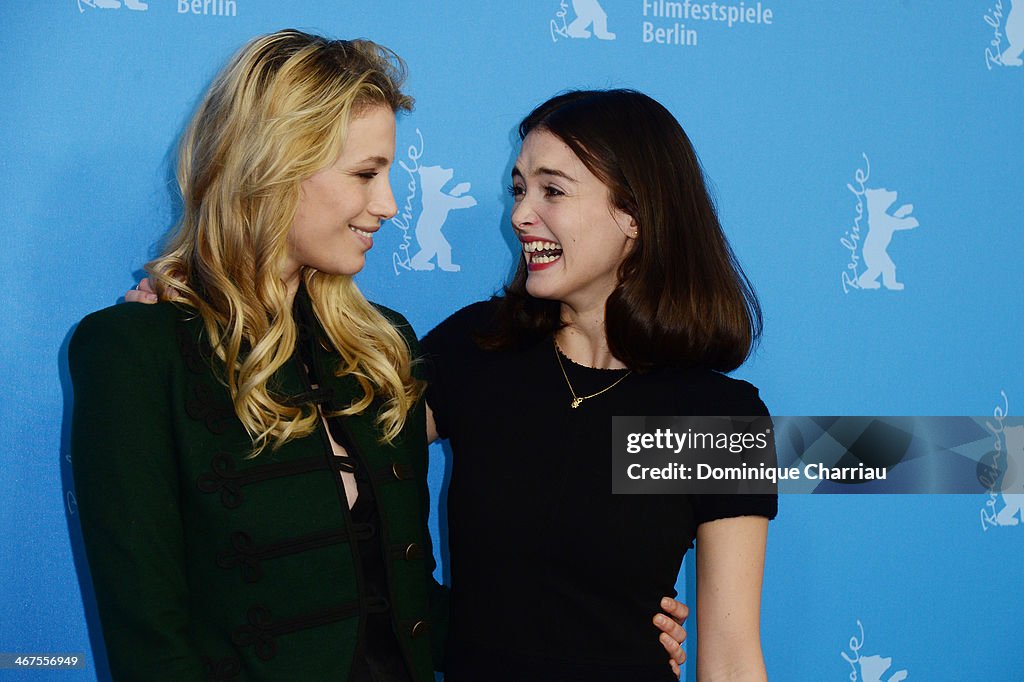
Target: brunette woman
[{"x": 627, "y": 301}]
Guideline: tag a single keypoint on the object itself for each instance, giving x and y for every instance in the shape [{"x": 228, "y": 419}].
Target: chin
[
  {"x": 348, "y": 269},
  {"x": 536, "y": 290}
]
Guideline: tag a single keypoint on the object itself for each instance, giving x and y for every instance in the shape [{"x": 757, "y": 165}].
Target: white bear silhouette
[
  {"x": 873, "y": 667},
  {"x": 1014, "y": 29},
  {"x": 589, "y": 12},
  {"x": 115, "y": 4},
  {"x": 881, "y": 225},
  {"x": 436, "y": 206},
  {"x": 1013, "y": 480}
]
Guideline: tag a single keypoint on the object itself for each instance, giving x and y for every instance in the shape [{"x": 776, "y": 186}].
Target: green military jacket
[{"x": 211, "y": 565}]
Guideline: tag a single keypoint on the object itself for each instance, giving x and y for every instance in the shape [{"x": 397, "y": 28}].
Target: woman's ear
[
  {"x": 627, "y": 223},
  {"x": 632, "y": 231}
]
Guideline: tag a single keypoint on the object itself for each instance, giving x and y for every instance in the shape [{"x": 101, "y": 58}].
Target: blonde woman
[{"x": 250, "y": 457}]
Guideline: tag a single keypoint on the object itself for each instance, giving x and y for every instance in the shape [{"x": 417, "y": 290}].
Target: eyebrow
[
  {"x": 543, "y": 170},
  {"x": 375, "y": 160}
]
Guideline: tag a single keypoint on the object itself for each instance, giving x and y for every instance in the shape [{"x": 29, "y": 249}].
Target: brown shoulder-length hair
[{"x": 682, "y": 299}]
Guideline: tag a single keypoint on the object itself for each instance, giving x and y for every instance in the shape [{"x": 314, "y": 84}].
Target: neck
[
  {"x": 291, "y": 286},
  {"x": 583, "y": 339}
]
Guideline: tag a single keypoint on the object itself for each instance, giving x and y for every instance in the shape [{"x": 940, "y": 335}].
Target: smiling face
[
  {"x": 573, "y": 239},
  {"x": 342, "y": 206}
]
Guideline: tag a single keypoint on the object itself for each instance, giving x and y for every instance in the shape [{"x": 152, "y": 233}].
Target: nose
[
  {"x": 383, "y": 203},
  {"x": 522, "y": 214}
]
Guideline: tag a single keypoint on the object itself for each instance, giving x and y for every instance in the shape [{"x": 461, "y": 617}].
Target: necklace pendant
[{"x": 576, "y": 402}]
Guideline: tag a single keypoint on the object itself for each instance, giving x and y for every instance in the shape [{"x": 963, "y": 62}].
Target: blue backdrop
[{"x": 851, "y": 145}]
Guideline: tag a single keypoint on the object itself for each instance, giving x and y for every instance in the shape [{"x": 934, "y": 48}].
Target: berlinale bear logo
[
  {"x": 436, "y": 206},
  {"x": 872, "y": 245},
  {"x": 428, "y": 184},
  {"x": 881, "y": 226},
  {"x": 1013, "y": 492},
  {"x": 1006, "y": 471},
  {"x": 112, "y": 4},
  {"x": 589, "y": 15},
  {"x": 1013, "y": 28},
  {"x": 869, "y": 668}
]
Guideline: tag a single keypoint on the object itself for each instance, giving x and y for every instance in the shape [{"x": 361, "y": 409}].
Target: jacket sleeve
[{"x": 123, "y": 457}]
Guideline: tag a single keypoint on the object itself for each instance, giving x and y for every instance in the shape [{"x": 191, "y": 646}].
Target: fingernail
[
  {"x": 662, "y": 620},
  {"x": 666, "y": 603}
]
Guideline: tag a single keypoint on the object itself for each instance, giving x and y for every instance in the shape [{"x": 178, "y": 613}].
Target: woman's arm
[
  {"x": 730, "y": 568},
  {"x": 431, "y": 427},
  {"x": 123, "y": 454}
]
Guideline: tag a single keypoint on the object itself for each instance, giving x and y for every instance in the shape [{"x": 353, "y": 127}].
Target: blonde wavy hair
[{"x": 276, "y": 114}]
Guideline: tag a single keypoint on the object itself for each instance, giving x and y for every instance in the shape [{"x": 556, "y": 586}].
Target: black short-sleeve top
[{"x": 553, "y": 577}]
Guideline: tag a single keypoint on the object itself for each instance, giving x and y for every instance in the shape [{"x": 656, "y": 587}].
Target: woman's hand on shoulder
[
  {"x": 672, "y": 633},
  {"x": 142, "y": 293}
]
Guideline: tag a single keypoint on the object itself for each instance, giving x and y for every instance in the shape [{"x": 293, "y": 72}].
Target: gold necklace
[{"x": 577, "y": 400}]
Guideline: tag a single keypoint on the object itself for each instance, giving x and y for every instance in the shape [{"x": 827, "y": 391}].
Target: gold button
[
  {"x": 412, "y": 551},
  {"x": 419, "y": 628}
]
